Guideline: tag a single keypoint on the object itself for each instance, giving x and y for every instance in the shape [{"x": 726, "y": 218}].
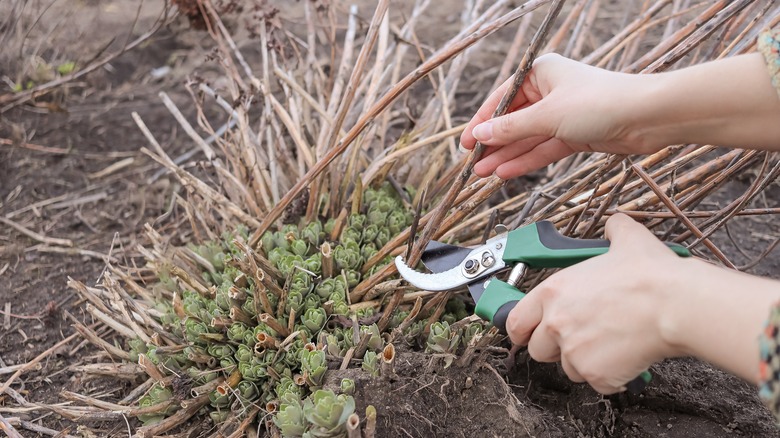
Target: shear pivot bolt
[
  {"x": 487, "y": 259},
  {"x": 471, "y": 266}
]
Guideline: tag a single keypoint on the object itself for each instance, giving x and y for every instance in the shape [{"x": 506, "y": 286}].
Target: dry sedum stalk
[{"x": 287, "y": 274}]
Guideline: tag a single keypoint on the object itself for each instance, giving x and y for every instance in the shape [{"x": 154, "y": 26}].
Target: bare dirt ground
[{"x": 73, "y": 170}]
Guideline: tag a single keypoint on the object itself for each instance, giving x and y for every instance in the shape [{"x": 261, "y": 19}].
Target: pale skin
[{"x": 609, "y": 318}]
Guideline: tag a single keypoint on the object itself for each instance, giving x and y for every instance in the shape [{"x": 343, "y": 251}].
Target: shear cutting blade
[
  {"x": 476, "y": 290},
  {"x": 453, "y": 266},
  {"x": 440, "y": 257},
  {"x": 436, "y": 282}
]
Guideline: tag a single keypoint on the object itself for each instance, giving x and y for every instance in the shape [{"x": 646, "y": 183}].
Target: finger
[
  {"x": 499, "y": 155},
  {"x": 543, "y": 346},
  {"x": 545, "y": 153},
  {"x": 571, "y": 370},
  {"x": 486, "y": 111},
  {"x": 489, "y": 150},
  {"x": 606, "y": 378},
  {"x": 533, "y": 120},
  {"x": 523, "y": 319},
  {"x": 606, "y": 388}
]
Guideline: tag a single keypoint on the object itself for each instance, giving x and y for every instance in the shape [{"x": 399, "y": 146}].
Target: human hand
[
  {"x": 603, "y": 318},
  {"x": 563, "y": 107}
]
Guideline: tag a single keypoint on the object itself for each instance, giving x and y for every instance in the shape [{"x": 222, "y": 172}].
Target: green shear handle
[{"x": 539, "y": 245}]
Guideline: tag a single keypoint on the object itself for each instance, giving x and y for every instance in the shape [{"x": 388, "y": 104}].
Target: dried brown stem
[
  {"x": 33, "y": 427},
  {"x": 353, "y": 426},
  {"x": 680, "y": 215},
  {"x": 191, "y": 408},
  {"x": 433, "y": 225},
  {"x": 387, "y": 363},
  {"x": 9, "y": 430},
  {"x": 36, "y": 236},
  {"x": 274, "y": 324},
  {"x": 29, "y": 365},
  {"x": 674, "y": 39},
  {"x": 327, "y": 260},
  {"x": 698, "y": 36},
  {"x": 420, "y": 72},
  {"x": 370, "y": 430}
]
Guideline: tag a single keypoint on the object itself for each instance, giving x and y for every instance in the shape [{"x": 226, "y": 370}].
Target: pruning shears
[{"x": 537, "y": 245}]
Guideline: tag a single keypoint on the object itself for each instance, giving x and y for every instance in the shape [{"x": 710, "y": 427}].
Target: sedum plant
[
  {"x": 269, "y": 323},
  {"x": 441, "y": 339},
  {"x": 347, "y": 386},
  {"x": 327, "y": 413},
  {"x": 290, "y": 418}
]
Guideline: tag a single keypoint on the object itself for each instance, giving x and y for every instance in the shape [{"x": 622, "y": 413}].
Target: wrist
[
  {"x": 638, "y": 113},
  {"x": 729, "y": 102},
  {"x": 670, "y": 111},
  {"x": 716, "y": 315},
  {"x": 680, "y": 295}
]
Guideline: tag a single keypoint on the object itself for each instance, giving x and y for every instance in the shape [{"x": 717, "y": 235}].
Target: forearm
[
  {"x": 730, "y": 102},
  {"x": 717, "y": 315}
]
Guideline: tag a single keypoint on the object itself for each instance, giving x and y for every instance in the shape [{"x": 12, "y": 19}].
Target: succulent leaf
[
  {"x": 375, "y": 341},
  {"x": 236, "y": 331},
  {"x": 471, "y": 331},
  {"x": 221, "y": 351},
  {"x": 371, "y": 363},
  {"x": 353, "y": 277},
  {"x": 313, "y": 234},
  {"x": 244, "y": 354},
  {"x": 314, "y": 318},
  {"x": 441, "y": 339},
  {"x": 218, "y": 400},
  {"x": 290, "y": 419},
  {"x": 357, "y": 221},
  {"x": 299, "y": 247},
  {"x": 247, "y": 391},
  {"x": 328, "y": 412},
  {"x": 347, "y": 386},
  {"x": 314, "y": 365}
]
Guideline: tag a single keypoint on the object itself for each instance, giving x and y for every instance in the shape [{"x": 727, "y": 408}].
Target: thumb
[
  {"x": 625, "y": 233},
  {"x": 530, "y": 121}
]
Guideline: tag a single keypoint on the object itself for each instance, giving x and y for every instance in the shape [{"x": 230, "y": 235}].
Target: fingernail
[
  {"x": 462, "y": 149},
  {"x": 483, "y": 132}
]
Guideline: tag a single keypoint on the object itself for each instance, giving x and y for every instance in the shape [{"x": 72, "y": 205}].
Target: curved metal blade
[
  {"x": 476, "y": 289},
  {"x": 440, "y": 281},
  {"x": 440, "y": 257}
]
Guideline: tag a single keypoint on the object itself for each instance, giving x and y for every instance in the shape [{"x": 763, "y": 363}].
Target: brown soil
[{"x": 106, "y": 213}]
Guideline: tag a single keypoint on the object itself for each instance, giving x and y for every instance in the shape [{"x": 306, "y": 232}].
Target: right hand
[
  {"x": 563, "y": 107},
  {"x": 609, "y": 317},
  {"x": 604, "y": 318}
]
